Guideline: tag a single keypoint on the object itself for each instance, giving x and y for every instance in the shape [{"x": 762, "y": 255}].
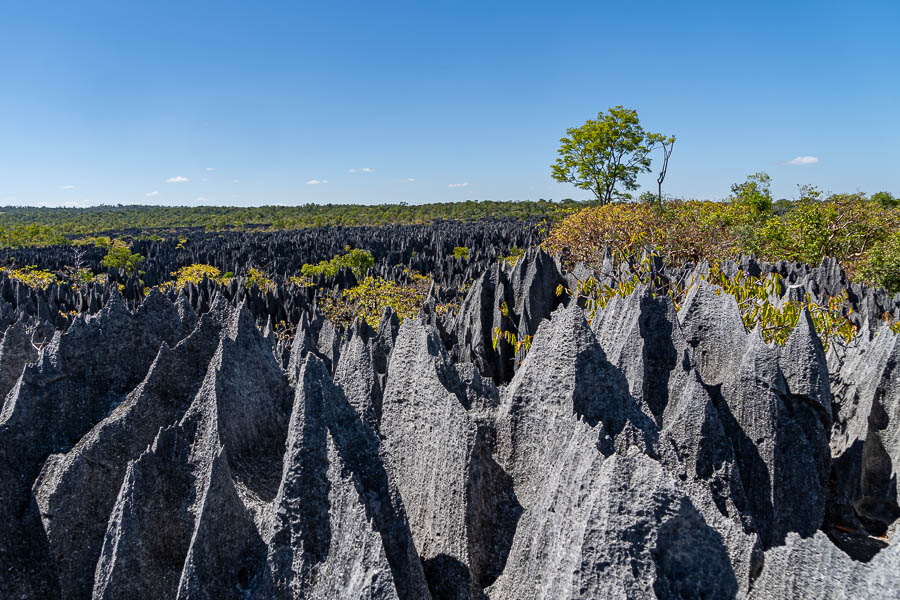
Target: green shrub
[
  {"x": 83, "y": 276},
  {"x": 195, "y": 273},
  {"x": 882, "y": 266},
  {"x": 754, "y": 194},
  {"x": 847, "y": 227},
  {"x": 100, "y": 241},
  {"x": 372, "y": 296},
  {"x": 514, "y": 253},
  {"x": 119, "y": 256},
  {"x": 21, "y": 236},
  {"x": 32, "y": 276},
  {"x": 258, "y": 278},
  {"x": 886, "y": 199},
  {"x": 358, "y": 261},
  {"x": 461, "y": 252}
]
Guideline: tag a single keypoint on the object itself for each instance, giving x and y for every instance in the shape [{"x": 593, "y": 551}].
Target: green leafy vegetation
[
  {"x": 101, "y": 241},
  {"x": 461, "y": 253},
  {"x": 883, "y": 263},
  {"x": 28, "y": 226},
  {"x": 369, "y": 299},
  {"x": 854, "y": 229},
  {"x": 886, "y": 199},
  {"x": 194, "y": 273},
  {"x": 119, "y": 256},
  {"x": 13, "y": 235},
  {"x": 258, "y": 278},
  {"x": 518, "y": 344},
  {"x": 608, "y": 152},
  {"x": 32, "y": 276},
  {"x": 514, "y": 253},
  {"x": 758, "y": 299},
  {"x": 358, "y": 261}
]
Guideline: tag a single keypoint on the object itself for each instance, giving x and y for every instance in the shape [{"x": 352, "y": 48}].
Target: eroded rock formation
[{"x": 178, "y": 451}]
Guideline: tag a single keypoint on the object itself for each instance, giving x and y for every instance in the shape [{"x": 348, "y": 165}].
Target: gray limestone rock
[
  {"x": 813, "y": 567},
  {"x": 74, "y": 490},
  {"x": 437, "y": 448},
  {"x": 779, "y": 441},
  {"x": 628, "y": 532},
  {"x": 642, "y": 338},
  {"x": 712, "y": 327},
  {"x": 337, "y": 532},
  {"x": 60, "y": 397},
  {"x": 881, "y": 450},
  {"x": 226, "y": 556},
  {"x": 694, "y": 448},
  {"x": 357, "y": 376},
  {"x": 151, "y": 525}
]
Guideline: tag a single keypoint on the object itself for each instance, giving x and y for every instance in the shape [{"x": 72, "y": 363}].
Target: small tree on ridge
[{"x": 606, "y": 152}]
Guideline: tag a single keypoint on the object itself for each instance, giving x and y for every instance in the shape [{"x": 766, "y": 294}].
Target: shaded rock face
[
  {"x": 881, "y": 449},
  {"x": 339, "y": 527},
  {"x": 642, "y": 338},
  {"x": 651, "y": 453},
  {"x": 780, "y": 444},
  {"x": 514, "y": 301},
  {"x": 75, "y": 486}
]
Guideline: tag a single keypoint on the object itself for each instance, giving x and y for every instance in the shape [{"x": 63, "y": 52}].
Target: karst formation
[{"x": 167, "y": 445}]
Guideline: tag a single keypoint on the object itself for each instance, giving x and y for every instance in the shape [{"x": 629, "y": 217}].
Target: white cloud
[
  {"x": 210, "y": 168},
  {"x": 803, "y": 160},
  {"x": 67, "y": 187},
  {"x": 456, "y": 185},
  {"x": 235, "y": 181},
  {"x": 316, "y": 181},
  {"x": 177, "y": 179},
  {"x": 204, "y": 180},
  {"x": 363, "y": 170},
  {"x": 152, "y": 194},
  {"x": 410, "y": 179},
  {"x": 202, "y": 199}
]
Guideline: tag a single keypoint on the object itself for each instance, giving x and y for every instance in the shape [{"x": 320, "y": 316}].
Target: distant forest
[{"x": 29, "y": 226}]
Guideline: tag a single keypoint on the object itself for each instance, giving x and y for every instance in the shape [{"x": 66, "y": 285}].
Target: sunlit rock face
[{"x": 177, "y": 448}]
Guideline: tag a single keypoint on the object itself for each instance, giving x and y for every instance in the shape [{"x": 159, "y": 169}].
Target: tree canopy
[{"x": 607, "y": 152}]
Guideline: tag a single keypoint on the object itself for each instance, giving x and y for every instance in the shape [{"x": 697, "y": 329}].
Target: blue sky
[{"x": 244, "y": 103}]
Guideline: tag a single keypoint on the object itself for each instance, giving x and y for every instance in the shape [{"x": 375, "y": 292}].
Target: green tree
[
  {"x": 882, "y": 266},
  {"x": 120, "y": 256},
  {"x": 885, "y": 199},
  {"x": 648, "y": 197},
  {"x": 755, "y": 193},
  {"x": 606, "y": 152}
]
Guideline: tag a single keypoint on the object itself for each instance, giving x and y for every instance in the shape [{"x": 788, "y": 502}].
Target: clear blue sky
[{"x": 116, "y": 102}]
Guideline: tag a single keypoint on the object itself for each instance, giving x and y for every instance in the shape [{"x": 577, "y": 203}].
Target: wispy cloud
[
  {"x": 67, "y": 187},
  {"x": 363, "y": 170},
  {"x": 177, "y": 179},
  {"x": 235, "y": 181},
  {"x": 456, "y": 185},
  {"x": 210, "y": 168},
  {"x": 316, "y": 181},
  {"x": 803, "y": 160},
  {"x": 152, "y": 194},
  {"x": 410, "y": 179},
  {"x": 202, "y": 199}
]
